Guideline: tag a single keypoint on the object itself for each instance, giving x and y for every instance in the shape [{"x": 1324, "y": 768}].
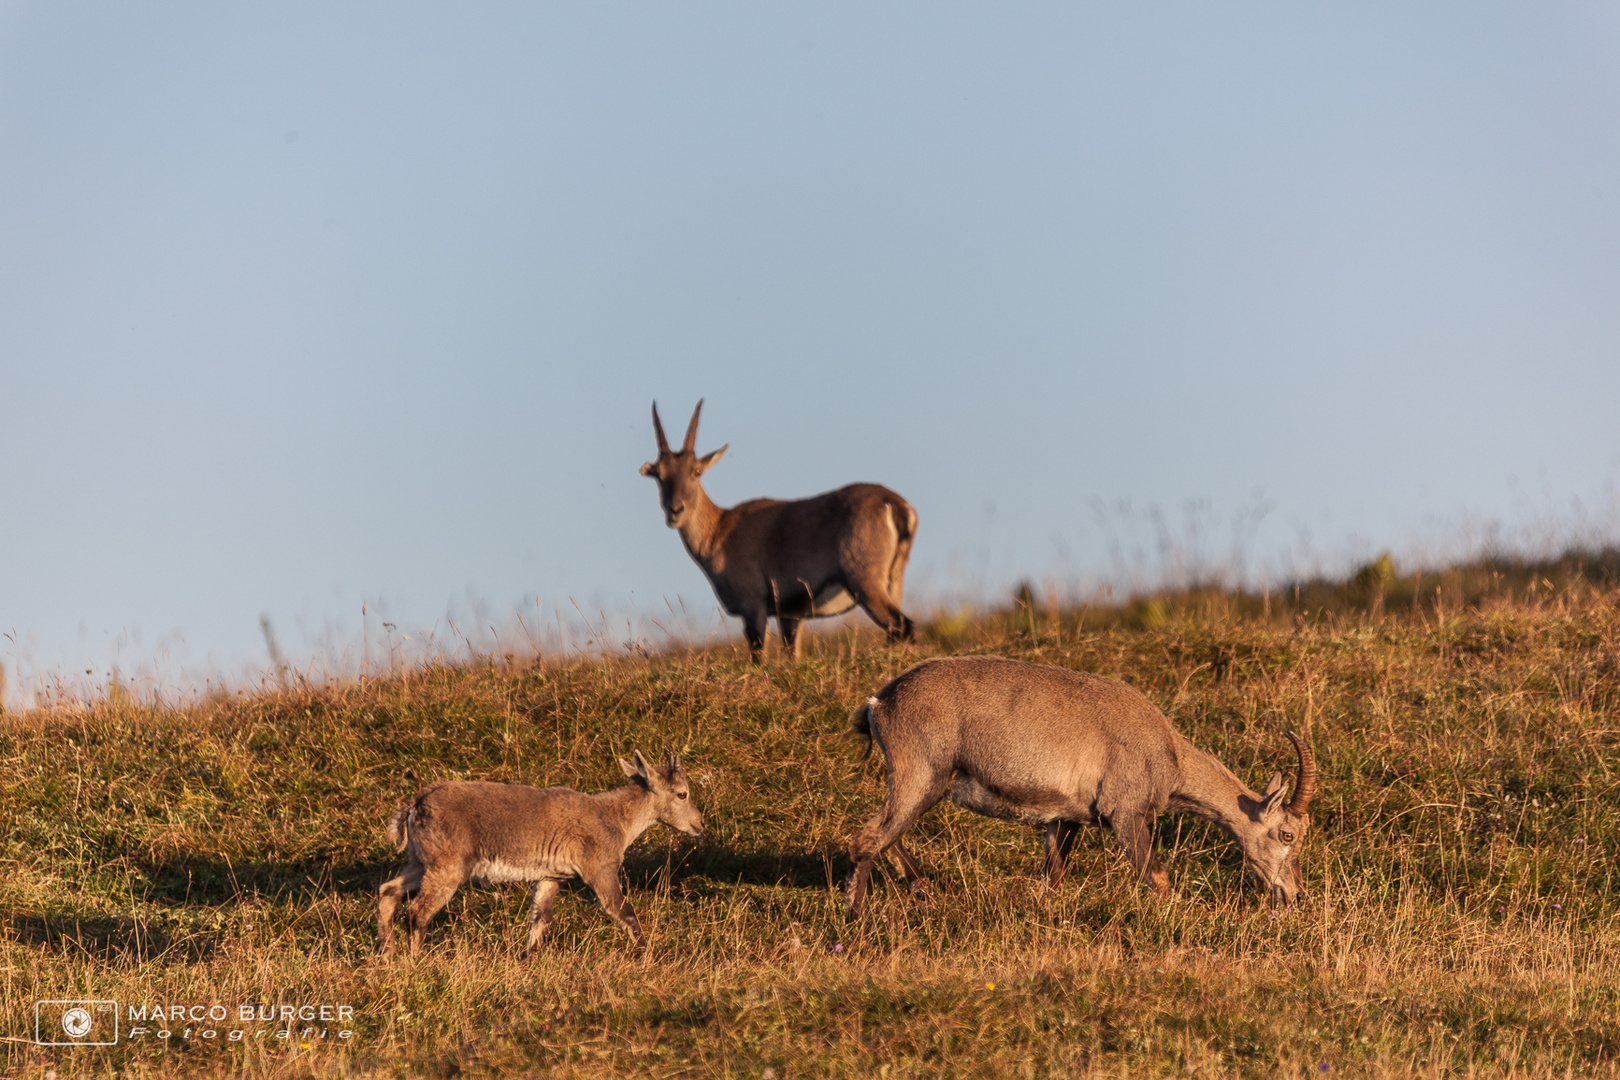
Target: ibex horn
[
  {"x": 658, "y": 429},
  {"x": 1305, "y": 782},
  {"x": 691, "y": 429}
]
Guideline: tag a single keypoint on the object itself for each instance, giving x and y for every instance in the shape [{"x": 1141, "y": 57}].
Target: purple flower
[
  {"x": 1558, "y": 907},
  {"x": 839, "y": 947}
]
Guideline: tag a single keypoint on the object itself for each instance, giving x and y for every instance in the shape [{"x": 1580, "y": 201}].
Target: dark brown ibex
[
  {"x": 457, "y": 830},
  {"x": 796, "y": 559},
  {"x": 1061, "y": 748}
]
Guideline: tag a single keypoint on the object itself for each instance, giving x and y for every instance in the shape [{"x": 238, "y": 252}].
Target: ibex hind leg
[
  {"x": 754, "y": 626},
  {"x": 874, "y": 600},
  {"x": 905, "y": 520},
  {"x": 907, "y": 801},
  {"x": 790, "y": 636},
  {"x": 916, "y": 880},
  {"x": 389, "y": 895},
  {"x": 435, "y": 893}
]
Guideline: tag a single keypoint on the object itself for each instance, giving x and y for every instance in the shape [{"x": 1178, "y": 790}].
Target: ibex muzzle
[
  {"x": 794, "y": 560},
  {"x": 1061, "y": 748}
]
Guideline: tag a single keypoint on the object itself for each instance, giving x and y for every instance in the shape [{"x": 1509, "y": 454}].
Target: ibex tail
[
  {"x": 860, "y": 722},
  {"x": 399, "y": 825}
]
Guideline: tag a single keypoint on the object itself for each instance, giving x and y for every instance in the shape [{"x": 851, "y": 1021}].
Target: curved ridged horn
[
  {"x": 1305, "y": 781},
  {"x": 691, "y": 429},
  {"x": 658, "y": 429}
]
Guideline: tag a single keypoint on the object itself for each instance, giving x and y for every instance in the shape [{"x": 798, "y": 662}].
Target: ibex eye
[
  {"x": 680, "y": 794},
  {"x": 1286, "y": 837}
]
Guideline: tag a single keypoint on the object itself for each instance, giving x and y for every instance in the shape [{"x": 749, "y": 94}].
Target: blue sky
[{"x": 304, "y": 308}]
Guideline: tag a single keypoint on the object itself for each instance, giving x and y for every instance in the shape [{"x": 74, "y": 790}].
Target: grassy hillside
[{"x": 1463, "y": 918}]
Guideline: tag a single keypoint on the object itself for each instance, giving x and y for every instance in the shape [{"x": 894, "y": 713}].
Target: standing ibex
[
  {"x": 1061, "y": 748},
  {"x": 457, "y": 830},
  {"x": 796, "y": 559}
]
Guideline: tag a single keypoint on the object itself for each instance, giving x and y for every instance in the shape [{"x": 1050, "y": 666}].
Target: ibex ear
[
  {"x": 648, "y": 469},
  {"x": 710, "y": 458},
  {"x": 1273, "y": 796},
  {"x": 636, "y": 769}
]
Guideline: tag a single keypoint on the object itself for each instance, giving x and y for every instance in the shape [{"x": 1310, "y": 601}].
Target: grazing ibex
[
  {"x": 1061, "y": 748},
  {"x": 797, "y": 559},
  {"x": 455, "y": 830}
]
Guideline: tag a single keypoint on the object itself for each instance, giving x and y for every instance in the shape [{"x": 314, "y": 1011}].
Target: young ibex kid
[{"x": 457, "y": 830}]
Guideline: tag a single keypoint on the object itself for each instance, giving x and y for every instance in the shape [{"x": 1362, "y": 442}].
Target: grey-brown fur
[
  {"x": 455, "y": 830},
  {"x": 791, "y": 559},
  {"x": 1060, "y": 748}
]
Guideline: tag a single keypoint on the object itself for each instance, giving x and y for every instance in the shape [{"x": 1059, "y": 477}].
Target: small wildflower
[
  {"x": 838, "y": 947},
  {"x": 1324, "y": 1066},
  {"x": 768, "y": 1074},
  {"x": 1501, "y": 908},
  {"x": 990, "y": 985},
  {"x": 1558, "y": 907},
  {"x": 1580, "y": 839}
]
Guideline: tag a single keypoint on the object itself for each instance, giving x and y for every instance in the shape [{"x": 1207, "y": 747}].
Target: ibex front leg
[
  {"x": 1135, "y": 834},
  {"x": 1059, "y": 841},
  {"x": 605, "y": 883},
  {"x": 545, "y": 896}
]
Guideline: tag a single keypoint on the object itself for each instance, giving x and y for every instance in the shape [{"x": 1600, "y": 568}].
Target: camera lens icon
[{"x": 77, "y": 1022}]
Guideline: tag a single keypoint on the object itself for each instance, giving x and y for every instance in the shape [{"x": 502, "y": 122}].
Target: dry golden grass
[{"x": 1462, "y": 918}]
